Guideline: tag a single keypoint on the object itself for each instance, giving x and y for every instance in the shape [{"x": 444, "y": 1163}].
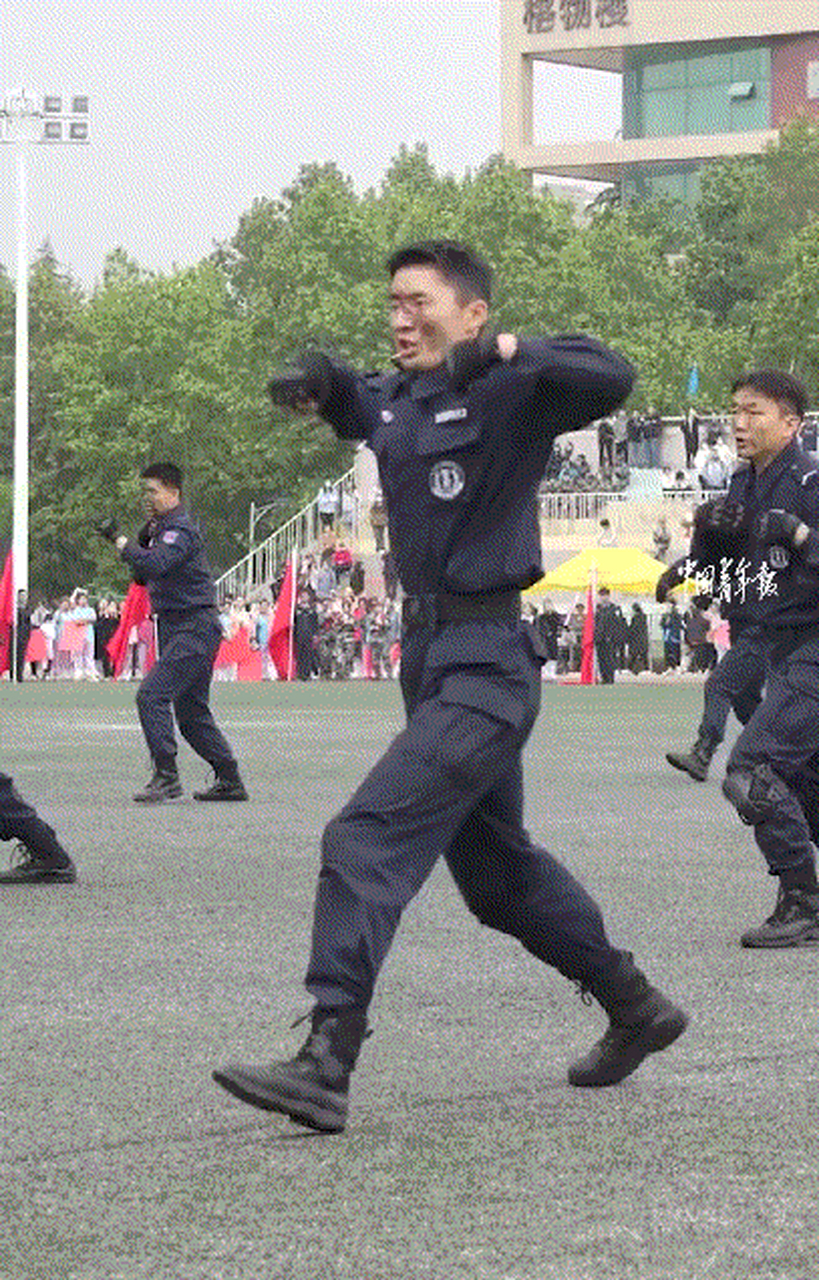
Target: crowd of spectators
[{"x": 635, "y": 441}]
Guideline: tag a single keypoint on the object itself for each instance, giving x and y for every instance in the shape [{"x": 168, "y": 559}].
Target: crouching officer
[
  {"x": 462, "y": 434},
  {"x": 42, "y": 859},
  {"x": 170, "y": 557},
  {"x": 771, "y": 512}
]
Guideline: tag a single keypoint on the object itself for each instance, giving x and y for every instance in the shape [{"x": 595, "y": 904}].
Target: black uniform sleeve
[
  {"x": 350, "y": 407},
  {"x": 572, "y": 379},
  {"x": 172, "y": 547}
]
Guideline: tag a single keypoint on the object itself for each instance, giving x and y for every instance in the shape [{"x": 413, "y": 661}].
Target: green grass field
[{"x": 467, "y": 1155}]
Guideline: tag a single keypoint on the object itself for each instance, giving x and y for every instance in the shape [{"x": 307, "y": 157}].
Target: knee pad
[{"x": 757, "y": 794}]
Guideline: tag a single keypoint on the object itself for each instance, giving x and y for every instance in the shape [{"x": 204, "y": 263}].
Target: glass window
[
  {"x": 710, "y": 69},
  {"x": 751, "y": 64},
  {"x": 708, "y": 109},
  {"x": 664, "y": 75},
  {"x": 664, "y": 113}
]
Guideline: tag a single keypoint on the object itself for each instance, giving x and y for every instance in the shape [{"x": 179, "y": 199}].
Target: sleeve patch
[{"x": 170, "y": 535}]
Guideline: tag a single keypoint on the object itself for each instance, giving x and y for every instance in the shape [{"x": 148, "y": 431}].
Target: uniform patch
[
  {"x": 779, "y": 557},
  {"x": 447, "y": 480},
  {"x": 170, "y": 535},
  {"x": 452, "y": 415},
  {"x": 387, "y": 415}
]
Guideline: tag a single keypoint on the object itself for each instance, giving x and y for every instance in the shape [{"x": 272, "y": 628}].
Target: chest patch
[
  {"x": 171, "y": 536},
  {"x": 446, "y": 480}
]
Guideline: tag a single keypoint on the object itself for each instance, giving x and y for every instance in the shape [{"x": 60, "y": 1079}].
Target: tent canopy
[{"x": 625, "y": 569}]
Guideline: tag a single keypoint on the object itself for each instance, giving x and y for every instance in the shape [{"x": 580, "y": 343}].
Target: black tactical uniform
[
  {"x": 460, "y": 474},
  {"x": 43, "y": 859},
  {"x": 175, "y": 567},
  {"x": 771, "y": 775}
]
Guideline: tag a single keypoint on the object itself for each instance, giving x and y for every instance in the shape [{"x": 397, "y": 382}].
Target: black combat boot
[
  {"x": 642, "y": 1021},
  {"x": 41, "y": 857},
  {"x": 311, "y": 1088},
  {"x": 696, "y": 761},
  {"x": 795, "y": 919},
  {"x": 164, "y": 785},
  {"x": 227, "y": 785}
]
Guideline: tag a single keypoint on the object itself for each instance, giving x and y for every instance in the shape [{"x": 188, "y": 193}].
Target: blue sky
[{"x": 197, "y": 110}]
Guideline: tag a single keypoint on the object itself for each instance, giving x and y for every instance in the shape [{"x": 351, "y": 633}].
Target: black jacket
[
  {"x": 772, "y": 585},
  {"x": 174, "y": 565},
  {"x": 460, "y": 471}
]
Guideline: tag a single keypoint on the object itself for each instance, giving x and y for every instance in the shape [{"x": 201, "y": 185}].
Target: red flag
[
  {"x": 280, "y": 644},
  {"x": 6, "y": 613},
  {"x": 136, "y": 608},
  {"x": 587, "y": 650}
]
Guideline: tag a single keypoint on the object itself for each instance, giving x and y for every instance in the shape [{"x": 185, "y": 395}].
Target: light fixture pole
[{"x": 23, "y": 123}]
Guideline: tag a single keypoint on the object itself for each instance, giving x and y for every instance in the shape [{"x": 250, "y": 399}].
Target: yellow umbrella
[{"x": 625, "y": 569}]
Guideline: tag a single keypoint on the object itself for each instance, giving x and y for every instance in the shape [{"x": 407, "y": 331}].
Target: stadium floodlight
[{"x": 23, "y": 123}]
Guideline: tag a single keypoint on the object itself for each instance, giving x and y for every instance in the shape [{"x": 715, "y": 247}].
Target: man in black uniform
[
  {"x": 462, "y": 434},
  {"x": 762, "y": 542},
  {"x": 169, "y": 556},
  {"x": 43, "y": 860}
]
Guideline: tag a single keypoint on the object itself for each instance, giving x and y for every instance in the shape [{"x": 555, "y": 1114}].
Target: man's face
[
  {"x": 158, "y": 498},
  {"x": 428, "y": 315},
  {"x": 762, "y": 427}
]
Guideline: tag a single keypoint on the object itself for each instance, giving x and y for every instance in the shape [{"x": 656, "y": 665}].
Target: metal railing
[
  {"x": 254, "y": 574},
  {"x": 589, "y": 504}
]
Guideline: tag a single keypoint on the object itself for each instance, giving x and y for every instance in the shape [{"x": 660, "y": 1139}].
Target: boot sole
[
  {"x": 320, "y": 1112},
  {"x": 779, "y": 944},
  {"x": 220, "y": 799},
  {"x": 698, "y": 777},
  {"x": 158, "y": 799},
  {"x": 656, "y": 1037},
  {"x": 53, "y": 877}
]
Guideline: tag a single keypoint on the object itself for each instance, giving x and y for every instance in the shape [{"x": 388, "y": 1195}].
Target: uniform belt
[{"x": 439, "y": 610}]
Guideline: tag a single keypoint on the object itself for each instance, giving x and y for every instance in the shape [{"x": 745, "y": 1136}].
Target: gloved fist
[
  {"x": 310, "y": 381},
  {"x": 144, "y": 535},
  {"x": 721, "y": 516},
  {"x": 468, "y": 360},
  {"x": 667, "y": 581},
  {"x": 108, "y": 529},
  {"x": 782, "y": 527}
]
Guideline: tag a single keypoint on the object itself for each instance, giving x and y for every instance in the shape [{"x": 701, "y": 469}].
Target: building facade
[{"x": 701, "y": 80}]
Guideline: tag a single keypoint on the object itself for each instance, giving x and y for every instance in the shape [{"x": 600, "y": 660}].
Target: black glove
[
  {"x": 309, "y": 381},
  {"x": 108, "y": 529},
  {"x": 782, "y": 527},
  {"x": 145, "y": 534},
  {"x": 468, "y": 360},
  {"x": 672, "y": 577},
  {"x": 721, "y": 516}
]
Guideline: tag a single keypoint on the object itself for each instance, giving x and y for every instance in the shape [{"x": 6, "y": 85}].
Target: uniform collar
[
  {"x": 765, "y": 480},
  {"x": 420, "y": 386}
]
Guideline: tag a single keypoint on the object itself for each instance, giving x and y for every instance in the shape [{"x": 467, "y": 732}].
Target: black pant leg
[{"x": 516, "y": 887}]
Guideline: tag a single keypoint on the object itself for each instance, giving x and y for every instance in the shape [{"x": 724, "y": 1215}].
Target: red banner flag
[
  {"x": 280, "y": 644},
  {"x": 136, "y": 608},
  {"x": 587, "y": 649},
  {"x": 6, "y": 614}
]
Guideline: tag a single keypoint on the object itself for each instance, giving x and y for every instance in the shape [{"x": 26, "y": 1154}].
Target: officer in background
[
  {"x": 761, "y": 540},
  {"x": 462, "y": 434},
  {"x": 169, "y": 556},
  {"x": 43, "y": 859}
]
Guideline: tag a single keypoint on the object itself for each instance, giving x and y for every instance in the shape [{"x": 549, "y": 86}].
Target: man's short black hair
[
  {"x": 168, "y": 472},
  {"x": 788, "y": 392},
  {"x": 457, "y": 263}
]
